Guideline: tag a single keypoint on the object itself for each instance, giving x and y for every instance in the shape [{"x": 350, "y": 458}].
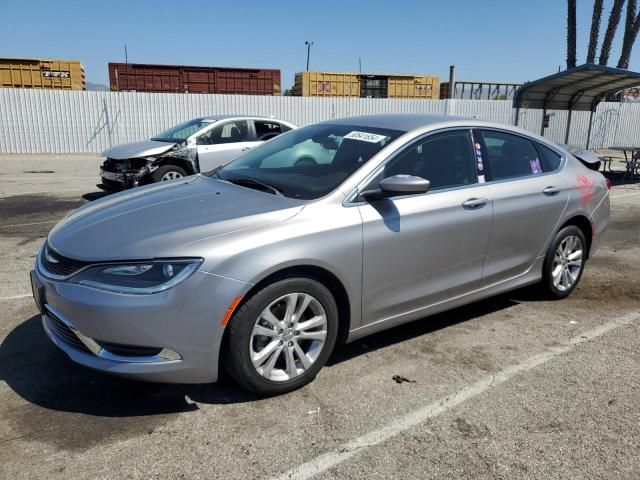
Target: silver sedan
[{"x": 259, "y": 267}]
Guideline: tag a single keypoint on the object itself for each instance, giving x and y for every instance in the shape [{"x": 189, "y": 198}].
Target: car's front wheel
[
  {"x": 564, "y": 262},
  {"x": 168, "y": 172},
  {"x": 281, "y": 337}
]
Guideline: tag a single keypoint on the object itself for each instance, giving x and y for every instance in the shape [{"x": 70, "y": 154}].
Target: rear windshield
[{"x": 309, "y": 162}]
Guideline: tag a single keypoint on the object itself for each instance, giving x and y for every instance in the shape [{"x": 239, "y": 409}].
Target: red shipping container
[{"x": 126, "y": 77}]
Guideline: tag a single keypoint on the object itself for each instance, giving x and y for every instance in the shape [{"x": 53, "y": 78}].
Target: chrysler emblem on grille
[{"x": 50, "y": 258}]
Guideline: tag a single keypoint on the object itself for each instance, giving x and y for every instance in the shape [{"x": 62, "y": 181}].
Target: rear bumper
[{"x": 181, "y": 326}]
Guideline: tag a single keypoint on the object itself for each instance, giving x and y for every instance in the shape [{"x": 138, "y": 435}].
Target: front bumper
[
  {"x": 181, "y": 327},
  {"x": 124, "y": 173}
]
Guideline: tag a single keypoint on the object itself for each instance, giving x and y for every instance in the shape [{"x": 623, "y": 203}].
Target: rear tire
[
  {"x": 281, "y": 337},
  {"x": 564, "y": 263},
  {"x": 168, "y": 172}
]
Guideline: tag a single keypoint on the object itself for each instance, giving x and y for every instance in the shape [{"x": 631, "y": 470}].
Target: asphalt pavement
[{"x": 512, "y": 387}]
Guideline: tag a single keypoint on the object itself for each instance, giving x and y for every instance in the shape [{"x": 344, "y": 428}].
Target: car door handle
[
  {"x": 475, "y": 203},
  {"x": 551, "y": 191},
  {"x": 245, "y": 149}
]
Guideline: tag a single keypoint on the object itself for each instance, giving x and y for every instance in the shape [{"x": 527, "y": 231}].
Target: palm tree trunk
[
  {"x": 571, "y": 33},
  {"x": 614, "y": 19},
  {"x": 631, "y": 28},
  {"x": 595, "y": 31}
]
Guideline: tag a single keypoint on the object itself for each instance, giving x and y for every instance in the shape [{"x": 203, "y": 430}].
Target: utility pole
[
  {"x": 308, "y": 44},
  {"x": 359, "y": 65}
]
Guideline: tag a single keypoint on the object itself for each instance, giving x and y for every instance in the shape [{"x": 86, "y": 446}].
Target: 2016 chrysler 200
[{"x": 259, "y": 267}]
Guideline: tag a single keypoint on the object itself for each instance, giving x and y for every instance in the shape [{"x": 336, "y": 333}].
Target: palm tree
[
  {"x": 631, "y": 28},
  {"x": 571, "y": 33},
  {"x": 614, "y": 19},
  {"x": 595, "y": 31}
]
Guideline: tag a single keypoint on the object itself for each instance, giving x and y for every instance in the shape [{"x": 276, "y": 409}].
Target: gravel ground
[{"x": 511, "y": 387}]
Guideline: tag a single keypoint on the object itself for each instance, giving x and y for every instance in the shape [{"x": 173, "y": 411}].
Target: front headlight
[{"x": 137, "y": 278}]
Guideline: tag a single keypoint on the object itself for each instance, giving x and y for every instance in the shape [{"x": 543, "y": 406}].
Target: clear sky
[{"x": 501, "y": 40}]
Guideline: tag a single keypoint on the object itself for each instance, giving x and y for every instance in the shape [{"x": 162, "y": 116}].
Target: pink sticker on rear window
[{"x": 535, "y": 166}]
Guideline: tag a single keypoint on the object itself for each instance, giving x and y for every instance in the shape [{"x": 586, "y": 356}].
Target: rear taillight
[{"x": 608, "y": 183}]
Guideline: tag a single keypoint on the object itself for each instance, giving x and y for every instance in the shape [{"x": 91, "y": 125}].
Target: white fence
[{"x": 41, "y": 121}]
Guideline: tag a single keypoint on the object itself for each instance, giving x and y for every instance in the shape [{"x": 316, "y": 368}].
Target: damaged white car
[{"x": 198, "y": 145}]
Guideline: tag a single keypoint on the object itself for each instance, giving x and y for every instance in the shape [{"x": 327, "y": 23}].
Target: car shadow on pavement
[
  {"x": 91, "y": 196},
  {"x": 420, "y": 327},
  {"x": 40, "y": 373}
]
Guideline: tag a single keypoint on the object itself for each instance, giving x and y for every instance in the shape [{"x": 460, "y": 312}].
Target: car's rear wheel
[
  {"x": 564, "y": 262},
  {"x": 168, "y": 172},
  {"x": 281, "y": 337}
]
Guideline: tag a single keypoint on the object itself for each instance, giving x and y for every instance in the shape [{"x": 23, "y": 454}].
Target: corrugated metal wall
[{"x": 41, "y": 121}]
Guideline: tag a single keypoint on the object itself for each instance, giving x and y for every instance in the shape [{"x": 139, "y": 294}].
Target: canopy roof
[{"x": 579, "y": 88}]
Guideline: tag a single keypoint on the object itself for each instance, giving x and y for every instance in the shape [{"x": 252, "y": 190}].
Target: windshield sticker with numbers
[{"x": 365, "y": 136}]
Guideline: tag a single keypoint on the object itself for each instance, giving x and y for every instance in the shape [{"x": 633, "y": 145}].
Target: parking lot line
[
  {"x": 28, "y": 224},
  {"x": 15, "y": 297},
  {"x": 625, "y": 195},
  {"x": 347, "y": 450}
]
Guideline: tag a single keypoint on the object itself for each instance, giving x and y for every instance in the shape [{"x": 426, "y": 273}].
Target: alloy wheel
[
  {"x": 567, "y": 263},
  {"x": 288, "y": 337},
  {"x": 170, "y": 175}
]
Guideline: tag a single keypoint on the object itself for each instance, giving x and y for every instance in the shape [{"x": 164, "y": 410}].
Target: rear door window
[{"x": 510, "y": 156}]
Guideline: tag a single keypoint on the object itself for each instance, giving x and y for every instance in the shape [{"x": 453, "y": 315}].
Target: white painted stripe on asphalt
[
  {"x": 53, "y": 177},
  {"x": 625, "y": 195},
  {"x": 15, "y": 297},
  {"x": 5, "y": 195},
  {"x": 28, "y": 224},
  {"x": 347, "y": 450}
]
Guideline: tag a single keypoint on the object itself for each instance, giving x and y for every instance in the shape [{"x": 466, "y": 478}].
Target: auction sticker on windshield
[{"x": 365, "y": 137}]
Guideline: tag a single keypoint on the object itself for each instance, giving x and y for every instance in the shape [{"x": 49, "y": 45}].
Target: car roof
[
  {"x": 403, "y": 122},
  {"x": 225, "y": 117}
]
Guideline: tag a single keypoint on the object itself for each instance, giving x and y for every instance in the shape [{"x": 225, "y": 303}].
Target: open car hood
[{"x": 146, "y": 148}]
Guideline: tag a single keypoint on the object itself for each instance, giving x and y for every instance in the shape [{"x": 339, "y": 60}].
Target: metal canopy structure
[{"x": 581, "y": 88}]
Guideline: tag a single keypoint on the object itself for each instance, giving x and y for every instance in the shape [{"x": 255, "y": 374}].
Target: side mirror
[{"x": 398, "y": 185}]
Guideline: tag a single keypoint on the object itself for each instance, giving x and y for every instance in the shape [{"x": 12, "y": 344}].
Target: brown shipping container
[
  {"x": 42, "y": 73},
  {"x": 127, "y": 77}
]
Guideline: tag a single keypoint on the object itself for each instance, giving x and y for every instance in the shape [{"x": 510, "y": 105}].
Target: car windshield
[
  {"x": 181, "y": 132},
  {"x": 309, "y": 162}
]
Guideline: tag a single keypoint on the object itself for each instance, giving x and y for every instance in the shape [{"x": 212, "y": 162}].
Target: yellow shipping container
[
  {"x": 37, "y": 73},
  {"x": 419, "y": 86},
  {"x": 334, "y": 84},
  {"x": 326, "y": 84}
]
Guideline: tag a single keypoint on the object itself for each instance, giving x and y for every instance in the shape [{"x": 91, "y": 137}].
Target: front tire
[
  {"x": 564, "y": 263},
  {"x": 281, "y": 337},
  {"x": 167, "y": 172}
]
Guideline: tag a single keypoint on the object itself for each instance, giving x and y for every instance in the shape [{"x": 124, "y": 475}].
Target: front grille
[
  {"x": 64, "y": 333},
  {"x": 58, "y": 264}
]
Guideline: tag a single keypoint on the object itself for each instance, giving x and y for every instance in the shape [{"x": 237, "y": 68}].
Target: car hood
[
  {"x": 164, "y": 219},
  {"x": 146, "y": 148}
]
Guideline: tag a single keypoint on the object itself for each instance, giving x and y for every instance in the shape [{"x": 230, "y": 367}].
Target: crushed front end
[{"x": 123, "y": 174}]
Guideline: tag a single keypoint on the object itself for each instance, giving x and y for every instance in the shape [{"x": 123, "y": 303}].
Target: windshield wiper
[{"x": 251, "y": 183}]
